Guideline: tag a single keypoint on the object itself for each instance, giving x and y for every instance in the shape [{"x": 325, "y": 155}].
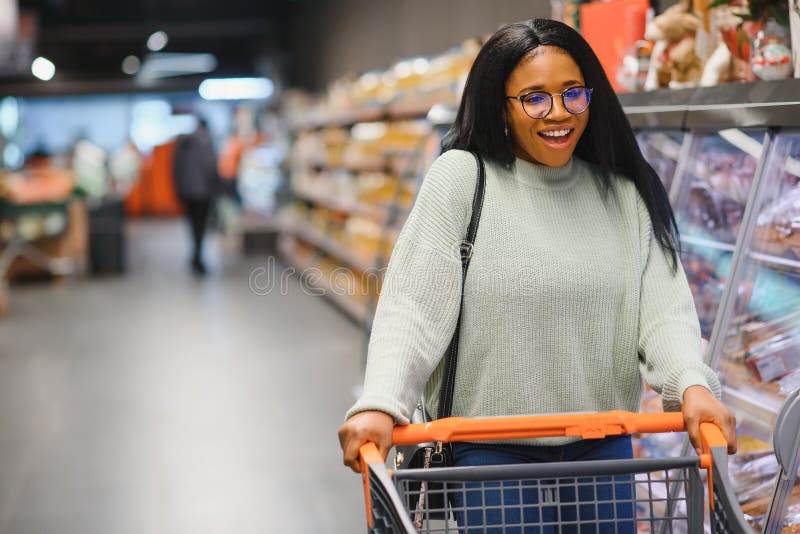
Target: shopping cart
[{"x": 590, "y": 496}]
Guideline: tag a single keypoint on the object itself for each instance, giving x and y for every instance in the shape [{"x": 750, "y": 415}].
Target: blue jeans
[{"x": 609, "y": 504}]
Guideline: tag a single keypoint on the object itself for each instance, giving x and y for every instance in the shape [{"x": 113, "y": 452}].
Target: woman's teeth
[{"x": 556, "y": 133}]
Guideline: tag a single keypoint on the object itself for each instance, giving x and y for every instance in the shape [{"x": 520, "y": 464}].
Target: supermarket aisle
[{"x": 156, "y": 403}]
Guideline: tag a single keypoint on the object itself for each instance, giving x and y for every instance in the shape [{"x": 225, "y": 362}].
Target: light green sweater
[{"x": 569, "y": 299}]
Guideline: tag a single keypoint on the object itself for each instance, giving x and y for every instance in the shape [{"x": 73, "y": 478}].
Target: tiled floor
[{"x": 159, "y": 403}]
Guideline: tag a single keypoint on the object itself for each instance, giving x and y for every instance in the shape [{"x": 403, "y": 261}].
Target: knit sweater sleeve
[
  {"x": 669, "y": 331},
  {"x": 418, "y": 307}
]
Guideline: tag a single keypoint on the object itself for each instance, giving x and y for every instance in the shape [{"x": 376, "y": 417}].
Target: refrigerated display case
[
  {"x": 711, "y": 192},
  {"x": 759, "y": 347},
  {"x": 736, "y": 197},
  {"x": 662, "y": 149}
]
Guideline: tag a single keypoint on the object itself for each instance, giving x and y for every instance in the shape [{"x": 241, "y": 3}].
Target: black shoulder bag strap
[{"x": 451, "y": 355}]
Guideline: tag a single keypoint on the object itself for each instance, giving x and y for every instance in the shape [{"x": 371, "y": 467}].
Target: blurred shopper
[
  {"x": 575, "y": 292},
  {"x": 195, "y": 173},
  {"x": 229, "y": 161}
]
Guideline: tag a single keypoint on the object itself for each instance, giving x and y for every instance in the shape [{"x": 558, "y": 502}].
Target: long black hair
[{"x": 608, "y": 141}]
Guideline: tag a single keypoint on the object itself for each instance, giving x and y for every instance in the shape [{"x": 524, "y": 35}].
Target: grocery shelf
[
  {"x": 396, "y": 112},
  {"x": 346, "y": 120},
  {"x": 709, "y": 243},
  {"x": 352, "y": 308},
  {"x": 776, "y": 262},
  {"x": 342, "y": 120},
  {"x": 286, "y": 246},
  {"x": 353, "y": 208},
  {"x": 773, "y": 103},
  {"x": 313, "y": 237},
  {"x": 359, "y": 167},
  {"x": 349, "y": 167}
]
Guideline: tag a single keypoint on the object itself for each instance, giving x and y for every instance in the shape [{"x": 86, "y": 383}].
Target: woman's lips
[{"x": 557, "y": 142}]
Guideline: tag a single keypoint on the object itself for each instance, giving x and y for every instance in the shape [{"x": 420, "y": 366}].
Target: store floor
[{"x": 159, "y": 403}]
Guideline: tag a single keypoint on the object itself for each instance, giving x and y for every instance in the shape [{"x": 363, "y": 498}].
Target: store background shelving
[
  {"x": 734, "y": 189},
  {"x": 357, "y": 160}
]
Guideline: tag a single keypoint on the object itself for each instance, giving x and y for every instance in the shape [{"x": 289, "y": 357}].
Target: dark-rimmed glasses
[{"x": 538, "y": 104}]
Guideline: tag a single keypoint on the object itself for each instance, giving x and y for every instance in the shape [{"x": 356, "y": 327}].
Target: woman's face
[{"x": 550, "y": 140}]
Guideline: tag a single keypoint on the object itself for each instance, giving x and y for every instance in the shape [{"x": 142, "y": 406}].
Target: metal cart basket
[{"x": 614, "y": 496}]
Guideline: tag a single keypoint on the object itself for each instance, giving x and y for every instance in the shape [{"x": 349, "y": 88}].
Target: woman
[{"x": 575, "y": 291}]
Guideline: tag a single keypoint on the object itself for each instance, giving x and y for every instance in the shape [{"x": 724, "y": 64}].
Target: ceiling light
[
  {"x": 164, "y": 65},
  {"x": 9, "y": 116},
  {"x": 130, "y": 65},
  {"x": 43, "y": 68},
  {"x": 236, "y": 88},
  {"x": 157, "y": 41}
]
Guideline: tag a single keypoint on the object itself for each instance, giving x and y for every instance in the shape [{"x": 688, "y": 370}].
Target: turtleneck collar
[{"x": 544, "y": 177}]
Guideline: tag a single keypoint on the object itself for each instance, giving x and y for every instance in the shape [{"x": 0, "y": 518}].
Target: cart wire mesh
[
  {"x": 663, "y": 495},
  {"x": 619, "y": 496}
]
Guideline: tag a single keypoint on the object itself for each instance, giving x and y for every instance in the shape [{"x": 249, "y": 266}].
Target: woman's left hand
[{"x": 700, "y": 406}]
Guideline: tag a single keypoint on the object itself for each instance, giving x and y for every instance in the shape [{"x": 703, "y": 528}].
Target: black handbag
[{"x": 439, "y": 454}]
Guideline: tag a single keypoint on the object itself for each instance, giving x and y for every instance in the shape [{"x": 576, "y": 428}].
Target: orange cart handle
[
  {"x": 368, "y": 454},
  {"x": 582, "y": 425}
]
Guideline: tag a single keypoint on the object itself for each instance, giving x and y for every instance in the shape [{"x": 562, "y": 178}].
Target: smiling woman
[{"x": 580, "y": 225}]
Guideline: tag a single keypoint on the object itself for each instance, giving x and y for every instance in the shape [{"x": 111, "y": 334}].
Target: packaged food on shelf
[
  {"x": 753, "y": 477},
  {"x": 376, "y": 188},
  {"x": 721, "y": 173},
  {"x": 772, "y": 358},
  {"x": 789, "y": 383},
  {"x": 364, "y": 155},
  {"x": 422, "y": 82},
  {"x": 777, "y": 230},
  {"x": 408, "y": 88},
  {"x": 363, "y": 237},
  {"x": 300, "y": 253},
  {"x": 319, "y": 217},
  {"x": 320, "y": 148},
  {"x": 756, "y": 512},
  {"x": 703, "y": 270},
  {"x": 792, "y": 518}
]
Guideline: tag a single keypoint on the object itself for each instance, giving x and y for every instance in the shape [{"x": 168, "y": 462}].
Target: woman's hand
[
  {"x": 372, "y": 426},
  {"x": 700, "y": 406}
]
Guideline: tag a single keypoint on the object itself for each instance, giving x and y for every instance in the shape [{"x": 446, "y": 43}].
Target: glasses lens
[
  {"x": 576, "y": 100},
  {"x": 537, "y": 105}
]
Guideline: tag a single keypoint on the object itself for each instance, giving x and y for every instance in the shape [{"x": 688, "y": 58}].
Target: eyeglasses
[{"x": 538, "y": 104}]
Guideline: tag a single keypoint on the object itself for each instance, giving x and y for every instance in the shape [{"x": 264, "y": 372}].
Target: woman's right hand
[{"x": 370, "y": 426}]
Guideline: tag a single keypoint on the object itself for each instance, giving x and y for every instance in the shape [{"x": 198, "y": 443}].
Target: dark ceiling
[{"x": 88, "y": 39}]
